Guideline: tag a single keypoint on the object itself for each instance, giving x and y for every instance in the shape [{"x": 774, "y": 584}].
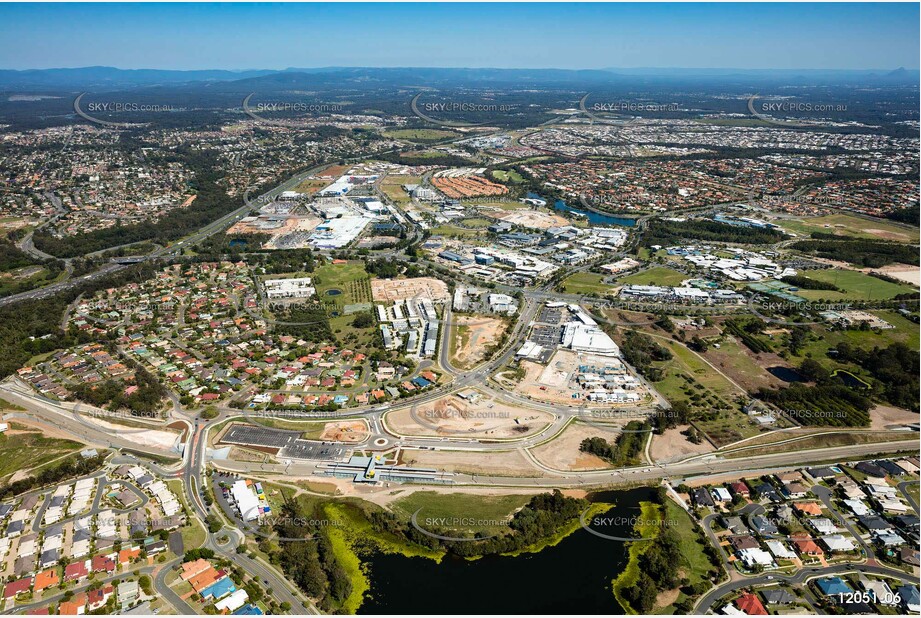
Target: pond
[
  {"x": 572, "y": 577},
  {"x": 591, "y": 216},
  {"x": 333, "y": 292},
  {"x": 849, "y": 379},
  {"x": 786, "y": 374}
]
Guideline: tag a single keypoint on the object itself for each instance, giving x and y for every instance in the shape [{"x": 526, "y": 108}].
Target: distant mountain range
[{"x": 109, "y": 78}]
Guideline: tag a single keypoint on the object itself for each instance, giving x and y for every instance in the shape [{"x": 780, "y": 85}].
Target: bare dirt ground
[
  {"x": 667, "y": 597},
  {"x": 525, "y": 217},
  {"x": 672, "y": 446},
  {"x": 553, "y": 383},
  {"x": 470, "y": 343},
  {"x": 562, "y": 453},
  {"x": 883, "y": 416},
  {"x": 549, "y": 383},
  {"x": 908, "y": 274},
  {"x": 48, "y": 430},
  {"x": 242, "y": 454},
  {"x": 150, "y": 437},
  {"x": 505, "y": 463},
  {"x": 404, "y": 289},
  {"x": 486, "y": 418},
  {"x": 345, "y": 431},
  {"x": 888, "y": 234}
]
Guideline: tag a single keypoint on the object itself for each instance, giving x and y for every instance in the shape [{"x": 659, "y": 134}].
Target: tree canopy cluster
[
  {"x": 660, "y": 232},
  {"x": 866, "y": 253}
]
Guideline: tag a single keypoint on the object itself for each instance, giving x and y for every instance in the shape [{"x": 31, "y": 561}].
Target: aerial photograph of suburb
[{"x": 460, "y": 308}]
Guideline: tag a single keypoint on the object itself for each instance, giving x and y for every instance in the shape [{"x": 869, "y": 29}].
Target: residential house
[
  {"x": 128, "y": 593},
  {"x": 777, "y": 596},
  {"x": 751, "y": 605},
  {"x": 97, "y": 598},
  {"x": 75, "y": 606},
  {"x": 833, "y": 586}
]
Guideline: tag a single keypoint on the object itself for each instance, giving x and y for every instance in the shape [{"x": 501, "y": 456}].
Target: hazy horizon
[{"x": 780, "y": 36}]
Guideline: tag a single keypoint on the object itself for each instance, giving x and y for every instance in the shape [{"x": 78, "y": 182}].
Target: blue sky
[{"x": 276, "y": 36}]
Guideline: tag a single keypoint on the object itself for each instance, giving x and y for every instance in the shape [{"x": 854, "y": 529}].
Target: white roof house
[
  {"x": 233, "y": 602},
  {"x": 752, "y": 557},
  {"x": 838, "y": 542},
  {"x": 780, "y": 550},
  {"x": 823, "y": 525},
  {"x": 247, "y": 502}
]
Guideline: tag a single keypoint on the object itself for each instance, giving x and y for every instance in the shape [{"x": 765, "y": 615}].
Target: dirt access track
[
  {"x": 470, "y": 338},
  {"x": 452, "y": 416}
]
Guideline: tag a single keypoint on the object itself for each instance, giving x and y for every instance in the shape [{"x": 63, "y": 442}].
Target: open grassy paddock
[
  {"x": 657, "y": 275},
  {"x": 854, "y": 285},
  {"x": 420, "y": 136},
  {"x": 851, "y": 226},
  {"x": 492, "y": 512},
  {"x": 585, "y": 283}
]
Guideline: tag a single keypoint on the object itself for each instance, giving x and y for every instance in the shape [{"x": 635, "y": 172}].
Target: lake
[
  {"x": 573, "y": 577},
  {"x": 591, "y": 216}
]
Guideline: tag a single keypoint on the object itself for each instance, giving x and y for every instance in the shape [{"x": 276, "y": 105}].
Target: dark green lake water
[{"x": 573, "y": 577}]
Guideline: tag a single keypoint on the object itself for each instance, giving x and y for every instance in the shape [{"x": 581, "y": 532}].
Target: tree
[
  {"x": 145, "y": 584},
  {"x": 813, "y": 370},
  {"x": 363, "y": 319}
]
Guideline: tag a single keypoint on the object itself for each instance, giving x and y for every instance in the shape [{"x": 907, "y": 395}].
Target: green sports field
[{"x": 854, "y": 285}]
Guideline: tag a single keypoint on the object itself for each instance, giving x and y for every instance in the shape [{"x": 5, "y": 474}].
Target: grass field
[
  {"x": 312, "y": 185},
  {"x": 420, "y": 136},
  {"x": 854, "y": 285},
  {"x": 31, "y": 449},
  {"x": 733, "y": 360},
  {"x": 657, "y": 275},
  {"x": 349, "y": 279},
  {"x": 452, "y": 231},
  {"x": 585, "y": 283},
  {"x": 6, "y": 405},
  {"x": 491, "y": 511},
  {"x": 689, "y": 378},
  {"x": 851, "y": 226},
  {"x": 645, "y": 528},
  {"x": 511, "y": 205},
  {"x": 193, "y": 536},
  {"x": 26, "y": 278},
  {"x": 695, "y": 565},
  {"x": 392, "y": 186},
  {"x": 823, "y": 441},
  {"x": 476, "y": 223},
  {"x": 507, "y": 176},
  {"x": 422, "y": 156},
  {"x": 354, "y": 285},
  {"x": 822, "y": 340}
]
